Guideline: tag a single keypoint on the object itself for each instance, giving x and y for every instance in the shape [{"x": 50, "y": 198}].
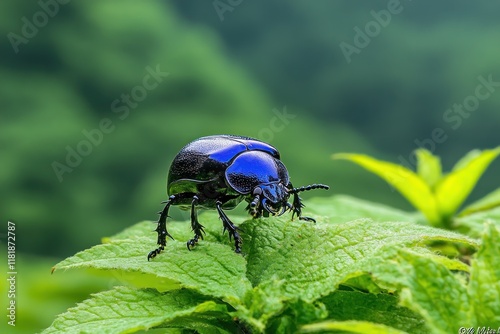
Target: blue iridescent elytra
[{"x": 218, "y": 172}]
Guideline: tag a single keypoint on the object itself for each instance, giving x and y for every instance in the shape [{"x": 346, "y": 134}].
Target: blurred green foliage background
[{"x": 273, "y": 70}]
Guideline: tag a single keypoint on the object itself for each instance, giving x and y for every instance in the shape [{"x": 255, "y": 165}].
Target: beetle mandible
[{"x": 218, "y": 172}]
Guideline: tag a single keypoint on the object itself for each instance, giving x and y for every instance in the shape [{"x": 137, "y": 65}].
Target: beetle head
[{"x": 271, "y": 198}]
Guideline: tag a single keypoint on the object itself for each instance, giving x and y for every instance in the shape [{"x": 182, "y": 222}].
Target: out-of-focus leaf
[
  {"x": 473, "y": 224},
  {"x": 456, "y": 186},
  {"x": 466, "y": 159},
  {"x": 488, "y": 202},
  {"x": 428, "y": 167},
  {"x": 360, "y": 327},
  {"x": 409, "y": 184}
]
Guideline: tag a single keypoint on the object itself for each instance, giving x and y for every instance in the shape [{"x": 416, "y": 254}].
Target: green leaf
[
  {"x": 484, "y": 287},
  {"x": 454, "y": 188},
  {"x": 473, "y": 224},
  {"x": 263, "y": 302},
  {"x": 360, "y": 327},
  {"x": 409, "y": 184},
  {"x": 304, "y": 313},
  {"x": 341, "y": 208},
  {"x": 362, "y": 283},
  {"x": 488, "y": 202},
  {"x": 429, "y": 289},
  {"x": 313, "y": 259},
  {"x": 428, "y": 167},
  {"x": 288, "y": 267},
  {"x": 378, "y": 308},
  {"x": 436, "y": 255},
  {"x": 124, "y": 310},
  {"x": 466, "y": 159},
  {"x": 211, "y": 268}
]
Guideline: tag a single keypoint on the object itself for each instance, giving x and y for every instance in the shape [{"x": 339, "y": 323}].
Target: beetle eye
[{"x": 257, "y": 191}]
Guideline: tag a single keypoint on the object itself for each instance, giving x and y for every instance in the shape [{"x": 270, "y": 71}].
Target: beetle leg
[
  {"x": 228, "y": 225},
  {"x": 297, "y": 205},
  {"x": 297, "y": 202},
  {"x": 161, "y": 229},
  {"x": 195, "y": 225},
  {"x": 297, "y": 209}
]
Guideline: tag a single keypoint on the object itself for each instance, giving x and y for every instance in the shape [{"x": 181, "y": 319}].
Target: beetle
[{"x": 218, "y": 172}]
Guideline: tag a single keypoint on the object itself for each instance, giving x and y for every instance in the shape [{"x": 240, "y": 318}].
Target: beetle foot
[
  {"x": 233, "y": 234},
  {"x": 155, "y": 252},
  {"x": 191, "y": 243},
  {"x": 308, "y": 219}
]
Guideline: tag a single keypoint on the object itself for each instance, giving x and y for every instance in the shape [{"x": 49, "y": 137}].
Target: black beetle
[{"x": 218, "y": 172}]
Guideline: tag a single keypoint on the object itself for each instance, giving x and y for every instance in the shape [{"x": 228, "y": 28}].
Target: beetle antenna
[{"x": 309, "y": 187}]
